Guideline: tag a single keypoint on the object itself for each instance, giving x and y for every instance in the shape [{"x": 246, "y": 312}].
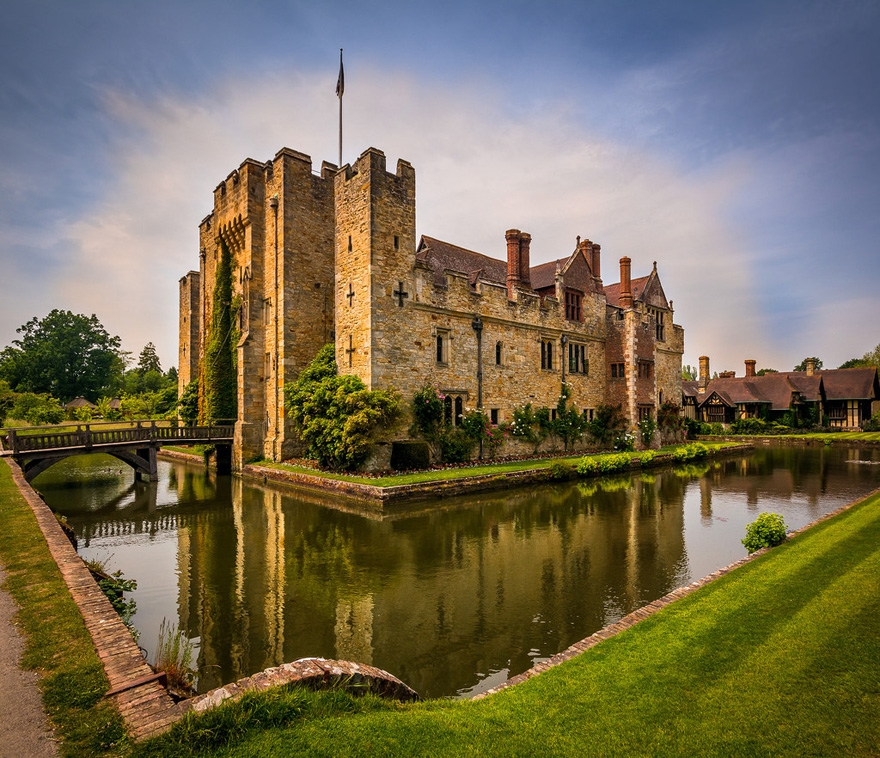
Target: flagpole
[{"x": 340, "y": 87}]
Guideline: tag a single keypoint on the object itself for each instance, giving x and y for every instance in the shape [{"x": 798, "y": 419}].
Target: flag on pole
[{"x": 340, "y": 82}]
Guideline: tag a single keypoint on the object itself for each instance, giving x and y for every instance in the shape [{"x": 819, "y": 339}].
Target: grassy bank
[
  {"x": 464, "y": 471},
  {"x": 58, "y": 644},
  {"x": 779, "y": 658},
  {"x": 821, "y": 436}
]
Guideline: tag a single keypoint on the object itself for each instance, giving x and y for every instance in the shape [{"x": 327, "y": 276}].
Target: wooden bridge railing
[{"x": 86, "y": 436}]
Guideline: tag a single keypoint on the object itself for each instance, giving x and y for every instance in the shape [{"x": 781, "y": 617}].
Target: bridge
[{"x": 135, "y": 442}]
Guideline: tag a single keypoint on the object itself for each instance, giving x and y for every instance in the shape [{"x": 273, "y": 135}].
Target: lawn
[
  {"x": 465, "y": 471},
  {"x": 778, "y": 658},
  {"x": 58, "y": 643}
]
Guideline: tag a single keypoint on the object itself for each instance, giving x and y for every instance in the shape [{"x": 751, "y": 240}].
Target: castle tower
[
  {"x": 375, "y": 248},
  {"x": 190, "y": 325}
]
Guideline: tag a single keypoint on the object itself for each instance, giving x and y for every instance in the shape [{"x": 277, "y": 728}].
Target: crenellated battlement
[{"x": 330, "y": 253}]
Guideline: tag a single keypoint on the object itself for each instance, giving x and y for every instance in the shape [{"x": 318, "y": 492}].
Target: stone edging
[
  {"x": 438, "y": 488},
  {"x": 135, "y": 689},
  {"x": 630, "y": 620},
  {"x": 317, "y": 673},
  {"x": 146, "y": 707}
]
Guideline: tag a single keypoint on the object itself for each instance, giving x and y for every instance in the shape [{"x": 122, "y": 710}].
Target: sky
[{"x": 735, "y": 143}]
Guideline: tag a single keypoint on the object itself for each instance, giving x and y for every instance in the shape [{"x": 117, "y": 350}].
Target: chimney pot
[
  {"x": 525, "y": 276},
  {"x": 704, "y": 372},
  {"x": 595, "y": 263},
  {"x": 626, "y": 298},
  {"x": 513, "y": 261},
  {"x": 750, "y": 368}
]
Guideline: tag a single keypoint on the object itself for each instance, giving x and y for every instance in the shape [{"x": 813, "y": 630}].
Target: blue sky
[{"x": 737, "y": 144}]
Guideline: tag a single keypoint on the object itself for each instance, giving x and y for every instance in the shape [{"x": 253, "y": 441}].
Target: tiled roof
[
  {"x": 544, "y": 275},
  {"x": 441, "y": 255},
  {"x": 850, "y": 383},
  {"x": 612, "y": 291},
  {"x": 777, "y": 388}
]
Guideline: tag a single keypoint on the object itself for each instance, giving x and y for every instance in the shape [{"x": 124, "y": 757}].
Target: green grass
[
  {"x": 459, "y": 473},
  {"x": 869, "y": 436},
  {"x": 58, "y": 644},
  {"x": 778, "y": 658}
]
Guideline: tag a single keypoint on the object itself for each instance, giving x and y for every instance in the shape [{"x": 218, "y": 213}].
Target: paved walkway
[{"x": 24, "y": 729}]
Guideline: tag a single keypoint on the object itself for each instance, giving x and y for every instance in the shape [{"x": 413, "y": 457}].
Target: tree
[
  {"x": 65, "y": 354},
  {"x": 763, "y": 371},
  {"x": 688, "y": 374},
  {"x": 802, "y": 366},
  {"x": 871, "y": 358},
  {"x": 337, "y": 416},
  {"x": 149, "y": 360}
]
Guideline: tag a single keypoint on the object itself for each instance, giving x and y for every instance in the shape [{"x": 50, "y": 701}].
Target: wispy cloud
[{"x": 479, "y": 172}]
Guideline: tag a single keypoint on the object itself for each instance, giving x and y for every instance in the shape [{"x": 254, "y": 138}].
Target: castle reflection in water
[{"x": 451, "y": 596}]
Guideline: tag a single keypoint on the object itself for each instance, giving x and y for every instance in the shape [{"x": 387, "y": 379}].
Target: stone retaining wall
[
  {"x": 400, "y": 493},
  {"x": 134, "y": 689},
  {"x": 137, "y": 692}
]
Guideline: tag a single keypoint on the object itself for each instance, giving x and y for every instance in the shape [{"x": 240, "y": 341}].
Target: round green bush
[{"x": 768, "y": 530}]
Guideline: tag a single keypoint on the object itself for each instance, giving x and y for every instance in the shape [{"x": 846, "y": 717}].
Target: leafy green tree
[
  {"x": 7, "y": 400},
  {"x": 64, "y": 354},
  {"x": 188, "y": 405},
  {"x": 337, "y": 416},
  {"x": 763, "y": 371},
  {"x": 149, "y": 360},
  {"x": 871, "y": 358},
  {"x": 802, "y": 366},
  {"x": 688, "y": 374}
]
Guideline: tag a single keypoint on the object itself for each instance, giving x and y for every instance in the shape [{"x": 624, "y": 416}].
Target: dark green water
[{"x": 451, "y": 596}]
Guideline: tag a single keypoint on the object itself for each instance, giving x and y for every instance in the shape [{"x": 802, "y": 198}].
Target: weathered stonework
[{"x": 334, "y": 257}]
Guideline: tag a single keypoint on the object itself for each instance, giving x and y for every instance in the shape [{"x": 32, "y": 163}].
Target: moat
[{"x": 451, "y": 596}]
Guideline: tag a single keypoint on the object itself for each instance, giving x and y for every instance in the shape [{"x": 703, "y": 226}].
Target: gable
[
  {"x": 577, "y": 274},
  {"x": 653, "y": 293}
]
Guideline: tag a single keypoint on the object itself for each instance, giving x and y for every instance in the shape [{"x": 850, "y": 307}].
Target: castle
[{"x": 333, "y": 257}]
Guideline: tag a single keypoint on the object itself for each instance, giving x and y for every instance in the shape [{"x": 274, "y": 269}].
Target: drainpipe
[
  {"x": 477, "y": 325},
  {"x": 276, "y": 453},
  {"x": 563, "y": 341}
]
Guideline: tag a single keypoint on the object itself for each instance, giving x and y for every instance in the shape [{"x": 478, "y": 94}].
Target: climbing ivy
[{"x": 220, "y": 390}]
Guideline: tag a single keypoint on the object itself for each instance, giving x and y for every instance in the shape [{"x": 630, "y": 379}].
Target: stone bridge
[{"x": 134, "y": 442}]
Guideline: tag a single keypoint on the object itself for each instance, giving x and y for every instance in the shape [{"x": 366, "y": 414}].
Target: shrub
[
  {"x": 647, "y": 427},
  {"x": 602, "y": 464},
  {"x": 691, "y": 452},
  {"x": 409, "y": 455},
  {"x": 113, "y": 586},
  {"x": 561, "y": 471},
  {"x": 523, "y": 424},
  {"x": 873, "y": 424},
  {"x": 456, "y": 446},
  {"x": 37, "y": 409},
  {"x": 748, "y": 426},
  {"x": 427, "y": 406},
  {"x": 336, "y": 416},
  {"x": 646, "y": 457},
  {"x": 768, "y": 530},
  {"x": 625, "y": 441},
  {"x": 606, "y": 421}
]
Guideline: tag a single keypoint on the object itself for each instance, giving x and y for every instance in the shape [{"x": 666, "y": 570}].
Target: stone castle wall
[{"x": 330, "y": 257}]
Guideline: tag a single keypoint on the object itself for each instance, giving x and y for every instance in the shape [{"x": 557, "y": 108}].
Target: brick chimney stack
[
  {"x": 704, "y": 373},
  {"x": 811, "y": 366},
  {"x": 525, "y": 276},
  {"x": 595, "y": 262},
  {"x": 750, "y": 368},
  {"x": 626, "y": 297},
  {"x": 514, "y": 278}
]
